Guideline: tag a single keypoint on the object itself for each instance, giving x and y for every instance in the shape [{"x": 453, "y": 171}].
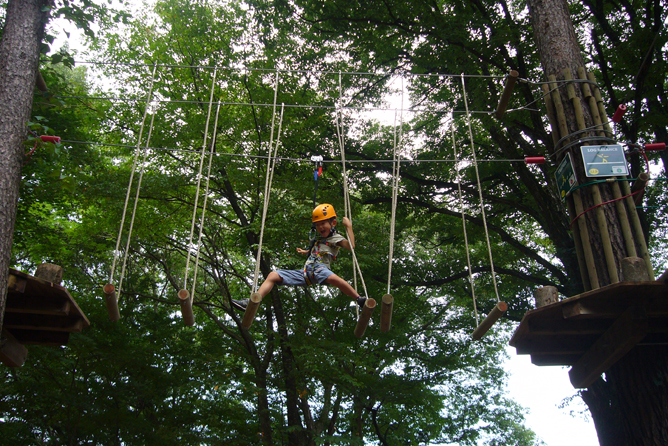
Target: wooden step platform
[
  {"x": 38, "y": 312},
  {"x": 591, "y": 331}
]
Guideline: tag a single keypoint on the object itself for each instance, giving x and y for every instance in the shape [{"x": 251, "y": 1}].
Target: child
[{"x": 323, "y": 249}]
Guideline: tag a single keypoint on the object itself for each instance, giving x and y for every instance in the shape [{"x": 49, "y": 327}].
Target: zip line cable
[
  {"x": 283, "y": 70},
  {"x": 303, "y": 160}
]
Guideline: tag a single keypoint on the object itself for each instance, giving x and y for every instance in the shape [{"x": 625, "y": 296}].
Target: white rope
[
  {"x": 482, "y": 205},
  {"x": 346, "y": 195},
  {"x": 396, "y": 166},
  {"x": 347, "y": 211},
  {"x": 199, "y": 182},
  {"x": 206, "y": 197},
  {"x": 132, "y": 174},
  {"x": 466, "y": 239},
  {"x": 134, "y": 207},
  {"x": 268, "y": 180}
]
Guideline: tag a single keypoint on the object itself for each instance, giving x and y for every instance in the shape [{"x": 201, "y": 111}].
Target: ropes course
[{"x": 186, "y": 297}]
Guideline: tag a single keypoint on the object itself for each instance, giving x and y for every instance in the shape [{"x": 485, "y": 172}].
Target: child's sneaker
[
  {"x": 240, "y": 304},
  {"x": 361, "y": 301}
]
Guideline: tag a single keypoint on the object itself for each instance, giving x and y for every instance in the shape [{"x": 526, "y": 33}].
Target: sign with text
[
  {"x": 604, "y": 161},
  {"x": 565, "y": 176}
]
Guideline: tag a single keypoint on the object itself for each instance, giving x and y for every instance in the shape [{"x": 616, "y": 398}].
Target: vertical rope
[
  {"x": 199, "y": 180},
  {"x": 482, "y": 204},
  {"x": 206, "y": 197},
  {"x": 346, "y": 195},
  {"x": 347, "y": 211},
  {"x": 132, "y": 174},
  {"x": 267, "y": 182},
  {"x": 466, "y": 239},
  {"x": 134, "y": 208},
  {"x": 396, "y": 166}
]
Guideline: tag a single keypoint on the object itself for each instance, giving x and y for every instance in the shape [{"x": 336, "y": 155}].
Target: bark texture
[{"x": 19, "y": 61}]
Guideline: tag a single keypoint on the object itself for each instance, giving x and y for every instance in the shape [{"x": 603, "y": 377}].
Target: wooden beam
[
  {"x": 365, "y": 316},
  {"x": 566, "y": 327},
  {"x": 619, "y": 339},
  {"x": 37, "y": 305},
  {"x": 553, "y": 360},
  {"x": 43, "y": 322},
  {"x": 34, "y": 337},
  {"x": 12, "y": 352},
  {"x": 557, "y": 344}
]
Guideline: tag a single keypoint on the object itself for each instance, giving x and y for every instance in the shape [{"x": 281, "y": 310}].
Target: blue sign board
[{"x": 604, "y": 161}]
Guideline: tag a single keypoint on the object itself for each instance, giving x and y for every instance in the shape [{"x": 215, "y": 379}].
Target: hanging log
[
  {"x": 111, "y": 301},
  {"x": 364, "y": 318},
  {"x": 491, "y": 318},
  {"x": 386, "y": 313},
  {"x": 251, "y": 310},
  {"x": 186, "y": 308},
  {"x": 505, "y": 96}
]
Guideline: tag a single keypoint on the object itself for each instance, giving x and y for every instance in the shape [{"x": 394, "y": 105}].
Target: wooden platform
[
  {"x": 591, "y": 331},
  {"x": 40, "y": 312}
]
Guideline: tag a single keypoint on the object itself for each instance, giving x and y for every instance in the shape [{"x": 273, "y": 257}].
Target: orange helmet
[{"x": 323, "y": 212}]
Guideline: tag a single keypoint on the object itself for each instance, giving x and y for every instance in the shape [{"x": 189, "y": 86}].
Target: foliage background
[{"x": 298, "y": 376}]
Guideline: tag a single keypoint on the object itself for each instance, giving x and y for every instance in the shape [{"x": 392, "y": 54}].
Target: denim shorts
[{"x": 296, "y": 277}]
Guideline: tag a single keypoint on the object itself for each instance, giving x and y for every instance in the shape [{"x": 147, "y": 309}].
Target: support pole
[
  {"x": 505, "y": 96},
  {"x": 491, "y": 318},
  {"x": 386, "y": 313},
  {"x": 109, "y": 291},
  {"x": 365, "y": 316},
  {"x": 637, "y": 228},
  {"x": 186, "y": 308},
  {"x": 586, "y": 243},
  {"x": 605, "y": 234},
  {"x": 251, "y": 310}
]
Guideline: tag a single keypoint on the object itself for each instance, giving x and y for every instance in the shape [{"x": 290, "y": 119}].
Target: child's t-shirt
[{"x": 325, "y": 249}]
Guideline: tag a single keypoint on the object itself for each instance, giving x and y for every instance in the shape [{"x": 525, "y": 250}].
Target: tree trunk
[
  {"x": 19, "y": 61},
  {"x": 630, "y": 406},
  {"x": 559, "y": 50}
]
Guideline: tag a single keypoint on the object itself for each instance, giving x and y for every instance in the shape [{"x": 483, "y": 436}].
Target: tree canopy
[{"x": 168, "y": 80}]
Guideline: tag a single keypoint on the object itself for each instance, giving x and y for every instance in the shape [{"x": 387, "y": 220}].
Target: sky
[
  {"x": 539, "y": 389},
  {"x": 542, "y": 390}
]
